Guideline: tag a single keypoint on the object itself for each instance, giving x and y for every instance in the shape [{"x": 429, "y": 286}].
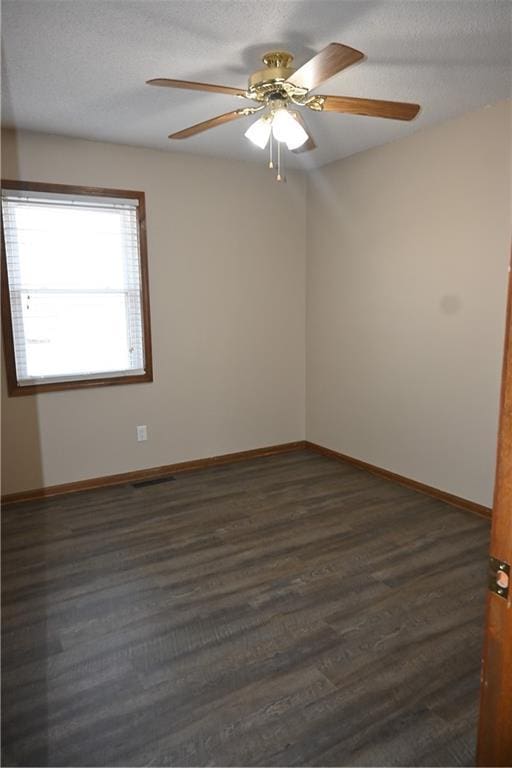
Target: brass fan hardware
[
  {"x": 280, "y": 86},
  {"x": 277, "y": 58}
]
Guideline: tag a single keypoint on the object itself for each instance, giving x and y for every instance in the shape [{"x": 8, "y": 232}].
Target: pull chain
[
  {"x": 271, "y": 160},
  {"x": 280, "y": 176}
]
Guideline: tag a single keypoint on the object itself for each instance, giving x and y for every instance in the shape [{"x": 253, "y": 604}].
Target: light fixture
[
  {"x": 280, "y": 125},
  {"x": 286, "y": 128},
  {"x": 259, "y": 132}
]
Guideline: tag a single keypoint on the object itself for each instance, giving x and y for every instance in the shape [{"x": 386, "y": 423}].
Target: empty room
[{"x": 256, "y": 383}]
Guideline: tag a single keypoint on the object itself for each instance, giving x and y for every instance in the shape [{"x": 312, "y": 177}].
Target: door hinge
[{"x": 499, "y": 577}]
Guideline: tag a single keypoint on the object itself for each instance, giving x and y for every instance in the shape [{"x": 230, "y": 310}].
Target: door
[{"x": 495, "y": 726}]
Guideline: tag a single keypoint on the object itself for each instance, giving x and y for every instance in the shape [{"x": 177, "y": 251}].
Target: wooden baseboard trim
[
  {"x": 149, "y": 474},
  {"x": 124, "y": 478},
  {"x": 428, "y": 490}
]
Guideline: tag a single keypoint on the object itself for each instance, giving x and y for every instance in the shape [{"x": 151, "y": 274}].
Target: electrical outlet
[{"x": 142, "y": 433}]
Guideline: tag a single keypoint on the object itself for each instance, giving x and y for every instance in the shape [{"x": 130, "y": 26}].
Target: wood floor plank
[{"x": 286, "y": 610}]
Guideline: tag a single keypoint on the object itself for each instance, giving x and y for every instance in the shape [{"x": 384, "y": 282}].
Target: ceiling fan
[{"x": 279, "y": 87}]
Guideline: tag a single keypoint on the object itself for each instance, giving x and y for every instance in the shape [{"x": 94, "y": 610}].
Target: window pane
[
  {"x": 64, "y": 247},
  {"x": 75, "y": 334}
]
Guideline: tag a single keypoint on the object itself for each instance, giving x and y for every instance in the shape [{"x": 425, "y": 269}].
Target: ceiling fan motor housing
[{"x": 272, "y": 79}]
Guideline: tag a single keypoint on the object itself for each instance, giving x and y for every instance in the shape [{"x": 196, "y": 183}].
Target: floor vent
[{"x": 154, "y": 481}]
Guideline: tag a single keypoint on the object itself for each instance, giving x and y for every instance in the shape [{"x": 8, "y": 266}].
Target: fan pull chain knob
[{"x": 280, "y": 177}]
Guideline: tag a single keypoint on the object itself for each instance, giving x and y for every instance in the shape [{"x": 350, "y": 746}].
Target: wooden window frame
[{"x": 14, "y": 388}]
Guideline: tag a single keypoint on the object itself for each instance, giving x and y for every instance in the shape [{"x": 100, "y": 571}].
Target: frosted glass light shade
[
  {"x": 286, "y": 128},
  {"x": 259, "y": 132}
]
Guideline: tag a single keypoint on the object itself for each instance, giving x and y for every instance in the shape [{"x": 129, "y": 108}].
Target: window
[{"x": 75, "y": 289}]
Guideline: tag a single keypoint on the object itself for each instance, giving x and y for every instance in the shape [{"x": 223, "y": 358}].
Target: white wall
[
  {"x": 408, "y": 246},
  {"x": 226, "y": 248}
]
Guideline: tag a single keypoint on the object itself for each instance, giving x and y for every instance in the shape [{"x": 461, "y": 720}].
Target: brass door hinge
[{"x": 499, "y": 577}]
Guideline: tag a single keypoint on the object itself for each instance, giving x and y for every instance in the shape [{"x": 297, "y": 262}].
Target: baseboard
[
  {"x": 147, "y": 474},
  {"x": 436, "y": 493},
  {"x": 124, "y": 478}
]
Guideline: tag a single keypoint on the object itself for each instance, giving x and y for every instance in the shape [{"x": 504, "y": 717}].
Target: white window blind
[{"x": 75, "y": 286}]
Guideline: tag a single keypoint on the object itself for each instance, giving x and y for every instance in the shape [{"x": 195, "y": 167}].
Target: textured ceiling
[{"x": 78, "y": 67}]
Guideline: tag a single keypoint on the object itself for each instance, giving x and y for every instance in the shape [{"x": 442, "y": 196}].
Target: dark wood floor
[{"x": 288, "y": 610}]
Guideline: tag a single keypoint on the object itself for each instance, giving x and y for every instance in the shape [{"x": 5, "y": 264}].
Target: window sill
[{"x": 15, "y": 390}]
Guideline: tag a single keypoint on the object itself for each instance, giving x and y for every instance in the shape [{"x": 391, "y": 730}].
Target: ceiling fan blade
[
  {"x": 331, "y": 60},
  {"x": 192, "y": 86},
  {"x": 227, "y": 117},
  {"x": 310, "y": 143},
  {"x": 394, "y": 110}
]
